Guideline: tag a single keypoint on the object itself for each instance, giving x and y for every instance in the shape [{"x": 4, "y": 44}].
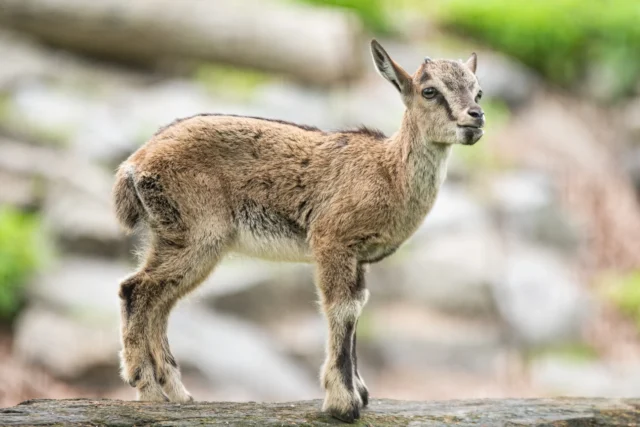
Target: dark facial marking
[
  {"x": 442, "y": 101},
  {"x": 424, "y": 77}
]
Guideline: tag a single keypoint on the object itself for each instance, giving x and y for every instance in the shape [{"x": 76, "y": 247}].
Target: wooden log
[
  {"x": 315, "y": 45},
  {"x": 380, "y": 413}
]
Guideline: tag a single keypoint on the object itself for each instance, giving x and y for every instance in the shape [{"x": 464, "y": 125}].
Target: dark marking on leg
[
  {"x": 154, "y": 366},
  {"x": 168, "y": 357},
  {"x": 137, "y": 374},
  {"x": 364, "y": 393},
  {"x": 127, "y": 289},
  {"x": 162, "y": 209},
  {"x": 344, "y": 361}
]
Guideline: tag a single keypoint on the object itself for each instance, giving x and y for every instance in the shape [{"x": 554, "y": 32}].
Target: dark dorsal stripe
[{"x": 362, "y": 130}]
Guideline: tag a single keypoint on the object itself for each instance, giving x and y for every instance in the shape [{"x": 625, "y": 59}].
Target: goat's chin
[{"x": 469, "y": 135}]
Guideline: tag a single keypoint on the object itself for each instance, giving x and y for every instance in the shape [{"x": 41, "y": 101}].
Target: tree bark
[
  {"x": 380, "y": 413},
  {"x": 314, "y": 45}
]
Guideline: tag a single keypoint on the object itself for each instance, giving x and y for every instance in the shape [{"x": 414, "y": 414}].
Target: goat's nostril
[{"x": 476, "y": 114}]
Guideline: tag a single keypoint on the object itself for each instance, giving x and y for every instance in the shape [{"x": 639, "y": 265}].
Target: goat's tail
[{"x": 129, "y": 208}]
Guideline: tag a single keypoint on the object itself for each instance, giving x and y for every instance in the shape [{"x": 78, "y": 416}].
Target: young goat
[{"x": 212, "y": 184}]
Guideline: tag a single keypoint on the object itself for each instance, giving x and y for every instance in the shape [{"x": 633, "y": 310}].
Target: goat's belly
[{"x": 272, "y": 247}]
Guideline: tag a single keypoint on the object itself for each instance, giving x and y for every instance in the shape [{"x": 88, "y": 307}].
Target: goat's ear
[
  {"x": 472, "y": 62},
  {"x": 390, "y": 70}
]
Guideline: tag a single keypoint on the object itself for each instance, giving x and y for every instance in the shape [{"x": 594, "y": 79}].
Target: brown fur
[{"x": 210, "y": 184}]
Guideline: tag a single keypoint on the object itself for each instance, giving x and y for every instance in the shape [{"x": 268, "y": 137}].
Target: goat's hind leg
[{"x": 147, "y": 299}]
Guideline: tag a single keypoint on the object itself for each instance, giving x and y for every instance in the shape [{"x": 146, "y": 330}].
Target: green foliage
[
  {"x": 576, "y": 352},
  {"x": 371, "y": 12},
  {"x": 562, "y": 39},
  {"x": 238, "y": 83},
  {"x": 624, "y": 292},
  {"x": 20, "y": 251}
]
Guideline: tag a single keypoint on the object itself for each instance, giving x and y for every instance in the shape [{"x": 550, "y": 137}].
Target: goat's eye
[
  {"x": 478, "y": 96},
  {"x": 429, "y": 92}
]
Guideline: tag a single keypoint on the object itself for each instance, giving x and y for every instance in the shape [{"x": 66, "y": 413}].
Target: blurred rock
[
  {"x": 18, "y": 191},
  {"x": 248, "y": 33},
  {"x": 630, "y": 114},
  {"x": 455, "y": 209},
  {"x": 585, "y": 378},
  {"x": 52, "y": 165},
  {"x": 410, "y": 337},
  {"x": 260, "y": 290},
  {"x": 83, "y": 224},
  {"x": 539, "y": 297},
  {"x": 505, "y": 79},
  {"x": 74, "y": 193},
  {"x": 453, "y": 272},
  {"x": 66, "y": 345},
  {"x": 229, "y": 350},
  {"x": 79, "y": 297},
  {"x": 525, "y": 204}
]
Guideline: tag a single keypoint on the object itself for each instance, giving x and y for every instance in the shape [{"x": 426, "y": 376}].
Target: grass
[
  {"x": 21, "y": 253},
  {"x": 576, "y": 352},
  {"x": 563, "y": 40},
  {"x": 229, "y": 81},
  {"x": 372, "y": 13},
  {"x": 623, "y": 290}
]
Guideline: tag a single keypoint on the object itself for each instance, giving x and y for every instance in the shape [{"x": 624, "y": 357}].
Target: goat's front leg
[{"x": 343, "y": 297}]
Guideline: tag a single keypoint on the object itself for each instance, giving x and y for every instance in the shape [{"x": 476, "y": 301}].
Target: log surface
[
  {"x": 315, "y": 45},
  {"x": 490, "y": 412}
]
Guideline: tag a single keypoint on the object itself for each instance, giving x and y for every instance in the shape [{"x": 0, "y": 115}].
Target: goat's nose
[{"x": 475, "y": 112}]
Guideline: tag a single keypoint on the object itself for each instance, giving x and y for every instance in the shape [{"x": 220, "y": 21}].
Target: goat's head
[{"x": 442, "y": 96}]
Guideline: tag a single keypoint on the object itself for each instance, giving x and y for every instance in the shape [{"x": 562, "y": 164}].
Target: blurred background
[{"x": 522, "y": 282}]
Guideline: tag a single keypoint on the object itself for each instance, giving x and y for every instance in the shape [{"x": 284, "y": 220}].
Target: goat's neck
[{"x": 421, "y": 164}]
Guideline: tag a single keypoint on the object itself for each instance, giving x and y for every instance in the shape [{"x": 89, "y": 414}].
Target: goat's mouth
[{"x": 470, "y": 134}]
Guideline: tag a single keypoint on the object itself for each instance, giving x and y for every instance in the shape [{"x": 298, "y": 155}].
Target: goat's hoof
[
  {"x": 364, "y": 395},
  {"x": 347, "y": 416}
]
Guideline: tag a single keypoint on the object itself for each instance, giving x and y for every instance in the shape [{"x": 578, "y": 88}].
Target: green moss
[
  {"x": 372, "y": 13},
  {"x": 623, "y": 290},
  {"x": 576, "y": 352},
  {"x": 21, "y": 254},
  {"x": 221, "y": 80},
  {"x": 562, "y": 39}
]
